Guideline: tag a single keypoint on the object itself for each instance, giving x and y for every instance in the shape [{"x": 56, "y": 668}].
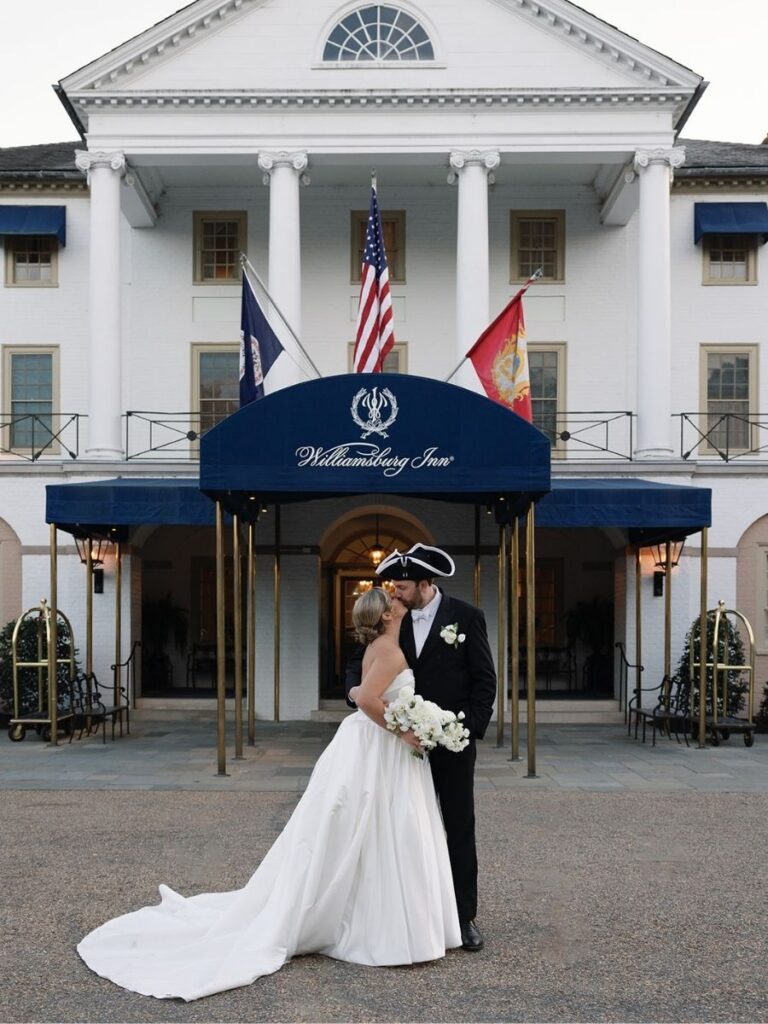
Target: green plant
[
  {"x": 730, "y": 640},
  {"x": 27, "y": 650},
  {"x": 762, "y": 712}
]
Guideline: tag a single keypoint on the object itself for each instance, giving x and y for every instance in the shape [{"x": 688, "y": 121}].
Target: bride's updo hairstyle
[{"x": 367, "y": 614}]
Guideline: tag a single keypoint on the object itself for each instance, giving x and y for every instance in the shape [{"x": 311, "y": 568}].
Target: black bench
[
  {"x": 670, "y": 713},
  {"x": 94, "y": 706}
]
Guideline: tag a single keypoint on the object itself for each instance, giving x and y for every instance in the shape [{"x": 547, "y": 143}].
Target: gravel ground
[{"x": 595, "y": 906}]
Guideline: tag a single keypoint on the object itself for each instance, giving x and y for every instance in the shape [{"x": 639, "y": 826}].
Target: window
[
  {"x": 730, "y": 259},
  {"x": 378, "y": 33},
  {"x": 395, "y": 361},
  {"x": 393, "y": 230},
  {"x": 31, "y": 261},
  {"x": 31, "y": 381},
  {"x": 537, "y": 240},
  {"x": 219, "y": 238},
  {"x": 546, "y": 365},
  {"x": 728, "y": 388},
  {"x": 215, "y": 383}
]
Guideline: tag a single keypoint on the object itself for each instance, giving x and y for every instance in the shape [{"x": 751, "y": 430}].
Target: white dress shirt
[{"x": 422, "y": 619}]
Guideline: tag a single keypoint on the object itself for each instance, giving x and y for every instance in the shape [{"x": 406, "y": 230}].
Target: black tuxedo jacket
[{"x": 458, "y": 678}]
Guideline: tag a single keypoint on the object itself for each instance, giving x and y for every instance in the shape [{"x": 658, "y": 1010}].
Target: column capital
[
  {"x": 87, "y": 159},
  {"x": 487, "y": 158},
  {"x": 670, "y": 156},
  {"x": 296, "y": 161}
]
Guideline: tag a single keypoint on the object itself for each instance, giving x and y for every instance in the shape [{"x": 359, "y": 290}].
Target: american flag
[{"x": 375, "y": 327}]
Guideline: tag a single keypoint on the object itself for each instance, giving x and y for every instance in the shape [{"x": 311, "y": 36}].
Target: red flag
[{"x": 500, "y": 358}]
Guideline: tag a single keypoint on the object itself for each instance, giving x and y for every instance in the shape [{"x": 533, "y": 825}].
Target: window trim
[
  {"x": 397, "y": 273},
  {"x": 401, "y": 347},
  {"x": 752, "y": 264},
  {"x": 9, "y": 245},
  {"x": 199, "y": 348},
  {"x": 199, "y": 217},
  {"x": 515, "y": 216},
  {"x": 752, "y": 351},
  {"x": 561, "y": 348},
  {"x": 8, "y": 352}
]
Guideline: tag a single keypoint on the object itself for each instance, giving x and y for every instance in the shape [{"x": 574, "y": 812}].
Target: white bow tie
[{"x": 419, "y": 616}]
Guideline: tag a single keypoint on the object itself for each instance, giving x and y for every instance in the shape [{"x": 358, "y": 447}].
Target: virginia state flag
[
  {"x": 500, "y": 359},
  {"x": 259, "y": 346}
]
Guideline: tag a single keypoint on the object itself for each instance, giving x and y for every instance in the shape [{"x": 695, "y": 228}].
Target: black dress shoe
[{"x": 471, "y": 939}]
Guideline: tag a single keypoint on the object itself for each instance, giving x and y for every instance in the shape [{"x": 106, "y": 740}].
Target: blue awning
[
  {"x": 34, "y": 220},
  {"x": 375, "y": 434},
  {"x": 648, "y": 512},
  {"x": 730, "y": 219}
]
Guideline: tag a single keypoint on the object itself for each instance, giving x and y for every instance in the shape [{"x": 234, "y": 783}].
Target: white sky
[{"x": 41, "y": 41}]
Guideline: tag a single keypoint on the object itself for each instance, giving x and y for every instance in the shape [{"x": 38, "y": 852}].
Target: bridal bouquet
[{"x": 432, "y": 724}]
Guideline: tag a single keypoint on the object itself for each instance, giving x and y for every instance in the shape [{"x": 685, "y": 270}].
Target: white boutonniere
[{"x": 452, "y": 636}]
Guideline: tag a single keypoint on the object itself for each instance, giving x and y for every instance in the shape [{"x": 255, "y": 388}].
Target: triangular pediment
[{"x": 255, "y": 46}]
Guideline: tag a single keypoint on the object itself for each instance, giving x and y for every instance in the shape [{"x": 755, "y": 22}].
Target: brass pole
[
  {"x": 668, "y": 612},
  {"x": 53, "y": 641},
  {"x": 703, "y": 567},
  {"x": 221, "y": 653},
  {"x": 276, "y": 714},
  {"x": 638, "y": 630},
  {"x": 88, "y": 610},
  {"x": 237, "y": 604},
  {"x": 118, "y": 621},
  {"x": 501, "y": 616},
  {"x": 530, "y": 639},
  {"x": 514, "y": 633},
  {"x": 476, "y": 572},
  {"x": 251, "y": 631}
]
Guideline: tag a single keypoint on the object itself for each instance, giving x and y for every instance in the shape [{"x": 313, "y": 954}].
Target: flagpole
[
  {"x": 245, "y": 262},
  {"x": 534, "y": 277}
]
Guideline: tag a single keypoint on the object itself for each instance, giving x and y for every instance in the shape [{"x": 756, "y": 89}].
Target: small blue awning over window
[
  {"x": 730, "y": 219},
  {"x": 34, "y": 220}
]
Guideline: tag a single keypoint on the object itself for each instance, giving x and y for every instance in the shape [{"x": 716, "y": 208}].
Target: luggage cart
[{"x": 39, "y": 718}]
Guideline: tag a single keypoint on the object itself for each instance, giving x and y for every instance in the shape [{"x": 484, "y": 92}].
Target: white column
[
  {"x": 104, "y": 364},
  {"x": 284, "y": 173},
  {"x": 654, "y": 327},
  {"x": 472, "y": 170}
]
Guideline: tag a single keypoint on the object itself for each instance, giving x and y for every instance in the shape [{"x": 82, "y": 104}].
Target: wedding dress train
[{"x": 359, "y": 873}]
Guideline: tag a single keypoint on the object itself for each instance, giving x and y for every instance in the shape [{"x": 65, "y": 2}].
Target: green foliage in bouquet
[
  {"x": 730, "y": 639},
  {"x": 27, "y": 650}
]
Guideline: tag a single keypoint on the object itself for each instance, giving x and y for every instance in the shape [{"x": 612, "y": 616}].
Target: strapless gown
[{"x": 359, "y": 873}]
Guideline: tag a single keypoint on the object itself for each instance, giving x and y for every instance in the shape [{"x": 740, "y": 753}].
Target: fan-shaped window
[{"x": 378, "y": 33}]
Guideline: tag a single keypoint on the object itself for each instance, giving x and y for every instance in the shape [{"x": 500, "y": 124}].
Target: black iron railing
[
  {"x": 163, "y": 435},
  {"x": 726, "y": 436},
  {"x": 32, "y": 435},
  {"x": 594, "y": 434}
]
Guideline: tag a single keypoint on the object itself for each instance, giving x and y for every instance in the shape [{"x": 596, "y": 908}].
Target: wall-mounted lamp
[
  {"x": 98, "y": 548},
  {"x": 660, "y": 561}
]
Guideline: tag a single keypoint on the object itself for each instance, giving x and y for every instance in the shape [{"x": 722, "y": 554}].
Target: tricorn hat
[{"x": 420, "y": 563}]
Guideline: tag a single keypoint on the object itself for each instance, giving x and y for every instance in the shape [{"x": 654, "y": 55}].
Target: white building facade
[{"x": 506, "y": 135}]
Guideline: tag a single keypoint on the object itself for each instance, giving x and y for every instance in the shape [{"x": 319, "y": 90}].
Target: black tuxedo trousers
[{"x": 459, "y": 677}]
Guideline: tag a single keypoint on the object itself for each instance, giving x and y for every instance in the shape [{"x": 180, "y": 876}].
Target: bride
[{"x": 360, "y": 872}]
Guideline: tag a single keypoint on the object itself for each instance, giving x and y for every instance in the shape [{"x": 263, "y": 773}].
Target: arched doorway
[
  {"x": 752, "y": 593},
  {"x": 10, "y": 574},
  {"x": 350, "y": 550}
]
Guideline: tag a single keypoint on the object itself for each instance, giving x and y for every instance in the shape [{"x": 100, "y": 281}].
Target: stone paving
[
  {"x": 175, "y": 750},
  {"x": 625, "y": 883}
]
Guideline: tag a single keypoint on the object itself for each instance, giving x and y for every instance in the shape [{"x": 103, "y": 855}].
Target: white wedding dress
[{"x": 359, "y": 873}]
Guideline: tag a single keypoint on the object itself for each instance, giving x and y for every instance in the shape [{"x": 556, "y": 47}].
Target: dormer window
[{"x": 378, "y": 33}]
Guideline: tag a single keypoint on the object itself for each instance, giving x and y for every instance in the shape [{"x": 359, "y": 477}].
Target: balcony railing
[
  {"x": 33, "y": 435},
  {"x": 595, "y": 434},
  {"x": 163, "y": 436},
  {"x": 726, "y": 436}
]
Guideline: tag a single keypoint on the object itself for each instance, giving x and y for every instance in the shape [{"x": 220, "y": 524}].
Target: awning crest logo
[{"x": 377, "y": 405}]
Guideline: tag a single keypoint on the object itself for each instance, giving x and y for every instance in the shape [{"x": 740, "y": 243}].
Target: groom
[{"x": 445, "y": 643}]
